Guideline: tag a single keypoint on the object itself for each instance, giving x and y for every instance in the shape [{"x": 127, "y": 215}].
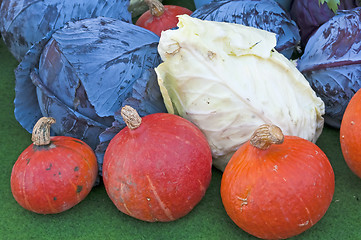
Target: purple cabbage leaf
[
  {"x": 25, "y": 22},
  {"x": 71, "y": 121},
  {"x": 332, "y": 62},
  {"x": 311, "y": 14}
]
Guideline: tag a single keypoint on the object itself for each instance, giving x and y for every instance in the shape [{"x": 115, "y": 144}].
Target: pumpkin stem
[
  {"x": 131, "y": 117},
  {"x": 41, "y": 131},
  {"x": 266, "y": 135},
  {"x": 156, "y": 8}
]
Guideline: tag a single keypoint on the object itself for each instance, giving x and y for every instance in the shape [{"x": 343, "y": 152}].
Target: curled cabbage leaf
[
  {"x": 82, "y": 75},
  {"x": 263, "y": 14},
  {"x": 25, "y": 22},
  {"x": 332, "y": 62},
  {"x": 228, "y": 80},
  {"x": 311, "y": 14}
]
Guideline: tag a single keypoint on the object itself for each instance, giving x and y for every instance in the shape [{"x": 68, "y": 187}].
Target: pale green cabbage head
[{"x": 228, "y": 80}]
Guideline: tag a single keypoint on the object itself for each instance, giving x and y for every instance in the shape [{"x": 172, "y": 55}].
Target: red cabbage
[
  {"x": 332, "y": 62},
  {"x": 25, "y": 22},
  {"x": 310, "y": 15}
]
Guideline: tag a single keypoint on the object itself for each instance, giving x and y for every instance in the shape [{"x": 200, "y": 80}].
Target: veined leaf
[
  {"x": 25, "y": 22},
  {"x": 331, "y": 62}
]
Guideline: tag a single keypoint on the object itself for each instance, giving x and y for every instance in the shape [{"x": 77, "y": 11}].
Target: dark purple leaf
[
  {"x": 310, "y": 15},
  {"x": 146, "y": 97},
  {"x": 106, "y": 55},
  {"x": 68, "y": 122},
  {"x": 25, "y": 22},
  {"x": 27, "y": 111},
  {"x": 332, "y": 60}
]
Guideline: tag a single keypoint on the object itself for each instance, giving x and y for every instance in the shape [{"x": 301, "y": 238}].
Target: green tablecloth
[{"x": 97, "y": 217}]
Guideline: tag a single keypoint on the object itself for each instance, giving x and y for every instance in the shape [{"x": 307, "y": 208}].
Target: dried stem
[
  {"x": 131, "y": 117},
  {"x": 41, "y": 131},
  {"x": 266, "y": 135},
  {"x": 156, "y": 8}
]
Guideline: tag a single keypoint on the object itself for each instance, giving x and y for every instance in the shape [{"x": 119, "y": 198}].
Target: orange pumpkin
[
  {"x": 158, "y": 168},
  {"x": 276, "y": 186},
  {"x": 350, "y": 134},
  {"x": 54, "y": 173},
  {"x": 160, "y": 17}
]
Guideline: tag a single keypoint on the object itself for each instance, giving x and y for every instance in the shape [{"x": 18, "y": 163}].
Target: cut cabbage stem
[
  {"x": 41, "y": 131},
  {"x": 266, "y": 135},
  {"x": 156, "y": 8},
  {"x": 131, "y": 117}
]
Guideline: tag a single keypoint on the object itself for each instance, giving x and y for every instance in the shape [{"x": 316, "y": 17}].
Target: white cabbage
[{"x": 227, "y": 79}]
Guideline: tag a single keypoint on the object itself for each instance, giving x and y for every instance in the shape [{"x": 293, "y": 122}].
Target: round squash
[
  {"x": 54, "y": 173},
  {"x": 160, "y": 17},
  {"x": 350, "y": 134},
  {"x": 276, "y": 186},
  {"x": 158, "y": 167}
]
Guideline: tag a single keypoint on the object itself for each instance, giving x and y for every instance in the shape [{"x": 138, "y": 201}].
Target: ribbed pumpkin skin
[
  {"x": 164, "y": 22},
  {"x": 52, "y": 179},
  {"x": 279, "y": 192},
  {"x": 350, "y": 134},
  {"x": 159, "y": 171}
]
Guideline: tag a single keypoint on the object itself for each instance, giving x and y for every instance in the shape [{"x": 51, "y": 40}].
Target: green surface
[{"x": 96, "y": 217}]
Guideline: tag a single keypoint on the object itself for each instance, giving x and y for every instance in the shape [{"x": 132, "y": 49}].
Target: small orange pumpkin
[
  {"x": 54, "y": 173},
  {"x": 160, "y": 17},
  {"x": 350, "y": 134},
  {"x": 275, "y": 186}
]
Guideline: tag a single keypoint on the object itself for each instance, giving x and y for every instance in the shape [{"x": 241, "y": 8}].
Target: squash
[
  {"x": 158, "y": 167},
  {"x": 350, "y": 134},
  {"x": 160, "y": 17},
  {"x": 277, "y": 186},
  {"x": 53, "y": 174}
]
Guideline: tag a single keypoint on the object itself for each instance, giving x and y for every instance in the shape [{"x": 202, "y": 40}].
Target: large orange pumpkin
[
  {"x": 54, "y": 173},
  {"x": 350, "y": 134},
  {"x": 276, "y": 191}
]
